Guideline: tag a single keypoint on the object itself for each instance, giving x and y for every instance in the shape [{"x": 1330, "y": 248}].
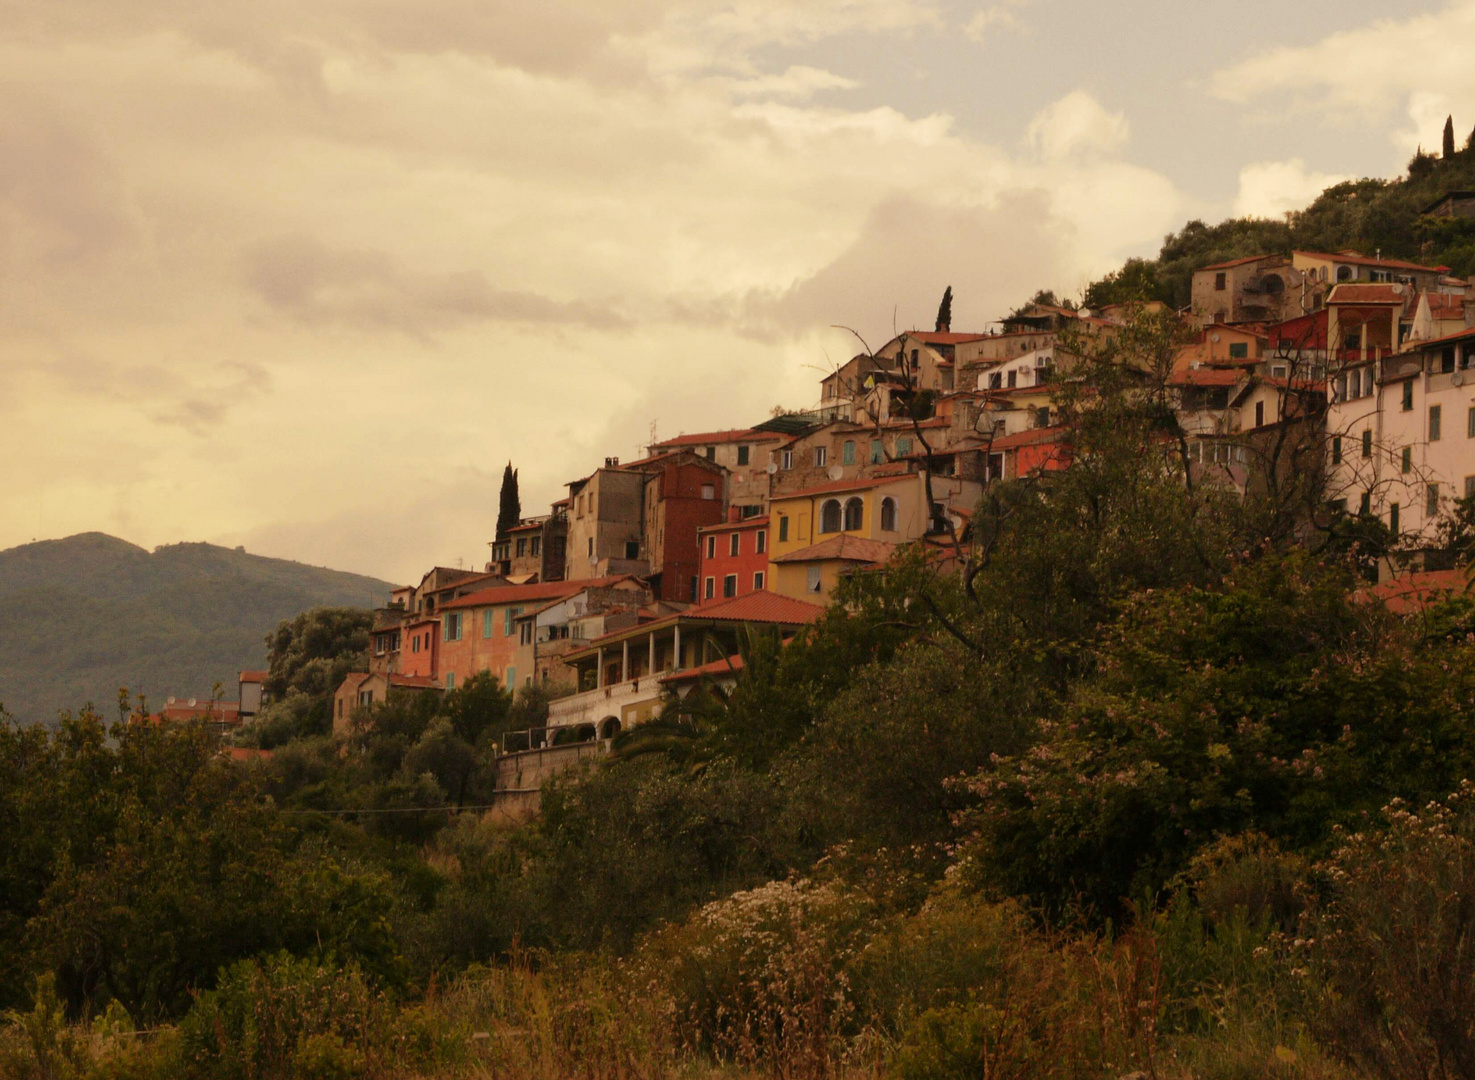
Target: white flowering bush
[
  {"x": 1390, "y": 956},
  {"x": 759, "y": 978}
]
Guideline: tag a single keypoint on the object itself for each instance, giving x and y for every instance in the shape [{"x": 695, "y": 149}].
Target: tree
[
  {"x": 945, "y": 311},
  {"x": 1449, "y": 138},
  {"x": 509, "y": 508}
]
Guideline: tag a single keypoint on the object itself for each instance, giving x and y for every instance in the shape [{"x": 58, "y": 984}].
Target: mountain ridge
[{"x": 88, "y": 614}]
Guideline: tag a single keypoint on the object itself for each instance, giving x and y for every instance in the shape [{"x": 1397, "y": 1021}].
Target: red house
[
  {"x": 683, "y": 493},
  {"x": 419, "y": 651},
  {"x": 734, "y": 558}
]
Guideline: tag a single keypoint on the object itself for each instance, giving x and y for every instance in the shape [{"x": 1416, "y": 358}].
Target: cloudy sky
[{"x": 304, "y": 275}]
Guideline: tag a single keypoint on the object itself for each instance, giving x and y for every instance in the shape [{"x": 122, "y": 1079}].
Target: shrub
[
  {"x": 760, "y": 977},
  {"x": 1393, "y": 947},
  {"x": 280, "y": 1018}
]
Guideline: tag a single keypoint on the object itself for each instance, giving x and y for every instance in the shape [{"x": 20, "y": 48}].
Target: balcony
[{"x": 596, "y": 706}]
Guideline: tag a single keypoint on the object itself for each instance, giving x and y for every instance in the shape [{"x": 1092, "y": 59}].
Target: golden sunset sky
[{"x": 304, "y": 275}]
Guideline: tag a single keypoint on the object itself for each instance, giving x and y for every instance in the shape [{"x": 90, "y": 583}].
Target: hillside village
[{"x": 643, "y": 579}]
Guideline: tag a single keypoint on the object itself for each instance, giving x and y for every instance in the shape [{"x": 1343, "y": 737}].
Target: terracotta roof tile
[
  {"x": 860, "y": 483},
  {"x": 706, "y": 438},
  {"x": 726, "y": 666},
  {"x": 842, "y": 547},
  {"x": 516, "y": 594}
]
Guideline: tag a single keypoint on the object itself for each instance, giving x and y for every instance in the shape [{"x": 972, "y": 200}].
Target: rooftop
[
  {"x": 1239, "y": 262},
  {"x": 742, "y": 523},
  {"x": 860, "y": 483},
  {"x": 546, "y": 590},
  {"x": 1366, "y": 294},
  {"x": 844, "y": 548},
  {"x": 728, "y": 665},
  {"x": 1355, "y": 259}
]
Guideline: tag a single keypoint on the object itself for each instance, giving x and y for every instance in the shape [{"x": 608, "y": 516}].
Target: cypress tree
[
  {"x": 509, "y": 507},
  {"x": 1449, "y": 138},
  {"x": 945, "y": 311}
]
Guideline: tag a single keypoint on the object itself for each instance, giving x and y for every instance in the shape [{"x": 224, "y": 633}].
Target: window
[
  {"x": 914, "y": 358},
  {"x": 1259, "y": 414},
  {"x": 709, "y": 491},
  {"x": 1408, "y": 396},
  {"x": 525, "y": 632},
  {"x": 692, "y": 594},
  {"x": 1470, "y": 487},
  {"x": 1365, "y": 504},
  {"x": 811, "y": 579},
  {"x": 761, "y": 543},
  {"x": 1239, "y": 350},
  {"x": 1470, "y": 424},
  {"x": 1042, "y": 417},
  {"x": 783, "y": 528},
  {"x": 1337, "y": 445},
  {"x": 711, "y": 585},
  {"x": 1344, "y": 273},
  {"x": 903, "y": 446},
  {"x": 1013, "y": 378},
  {"x": 1393, "y": 517},
  {"x": 509, "y": 620},
  {"x": 1406, "y": 464},
  {"x": 450, "y": 680},
  {"x": 847, "y": 453},
  {"x": 729, "y": 586},
  {"x": 522, "y": 546},
  {"x": 820, "y": 453},
  {"x": 366, "y": 698},
  {"x": 535, "y": 545},
  {"x": 743, "y": 455},
  {"x": 1367, "y": 443},
  {"x": 888, "y": 514},
  {"x": 829, "y": 516},
  {"x": 732, "y": 543},
  {"x": 486, "y": 622},
  {"x": 711, "y": 453},
  {"x": 1446, "y": 361},
  {"x": 787, "y": 459},
  {"x": 750, "y": 511},
  {"x": 855, "y": 511},
  {"x": 711, "y": 547},
  {"x": 996, "y": 380},
  {"x": 1220, "y": 280},
  {"x": 877, "y": 451},
  {"x": 632, "y": 549},
  {"x": 415, "y": 643},
  {"x": 758, "y": 575},
  {"x": 1436, "y": 414},
  {"x": 511, "y": 683},
  {"x": 1431, "y": 501},
  {"x": 452, "y": 626},
  {"x": 591, "y": 547}
]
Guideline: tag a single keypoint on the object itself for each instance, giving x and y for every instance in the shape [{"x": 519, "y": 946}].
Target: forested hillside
[
  {"x": 89, "y": 614},
  {"x": 1367, "y": 215}
]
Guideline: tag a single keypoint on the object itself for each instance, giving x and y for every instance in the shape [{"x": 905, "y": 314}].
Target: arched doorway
[{"x": 609, "y": 727}]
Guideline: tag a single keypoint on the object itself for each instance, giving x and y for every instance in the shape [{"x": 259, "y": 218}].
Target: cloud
[
  {"x": 1418, "y": 66},
  {"x": 1076, "y": 125},
  {"x": 1000, "y": 16},
  {"x": 1271, "y": 189},
  {"x": 304, "y": 278},
  {"x": 909, "y": 250}
]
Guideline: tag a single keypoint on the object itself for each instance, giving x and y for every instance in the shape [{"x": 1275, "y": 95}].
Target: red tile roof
[
  {"x": 413, "y": 682},
  {"x": 761, "y": 606},
  {"x": 938, "y": 337},
  {"x": 744, "y": 523},
  {"x": 1028, "y": 438},
  {"x": 1363, "y": 260},
  {"x": 253, "y": 676},
  {"x": 516, "y": 594},
  {"x": 707, "y": 438},
  {"x": 1366, "y": 294},
  {"x": 729, "y": 665},
  {"x": 860, "y": 483},
  {"x": 1411, "y": 592},
  {"x": 1206, "y": 377},
  {"x": 1238, "y": 262},
  {"x": 525, "y": 526},
  {"x": 842, "y": 547},
  {"x": 1458, "y": 335}
]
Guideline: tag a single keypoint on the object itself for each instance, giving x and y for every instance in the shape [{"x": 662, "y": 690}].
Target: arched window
[
  {"x": 1344, "y": 273},
  {"x": 855, "y": 513},
  {"x": 829, "y": 516},
  {"x": 888, "y": 514},
  {"x": 609, "y": 727}
]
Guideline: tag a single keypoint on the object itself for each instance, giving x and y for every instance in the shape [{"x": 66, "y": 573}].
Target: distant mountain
[{"x": 83, "y": 616}]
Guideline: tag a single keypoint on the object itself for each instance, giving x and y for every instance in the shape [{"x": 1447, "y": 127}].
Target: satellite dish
[
  {"x": 1214, "y": 337},
  {"x": 772, "y": 468},
  {"x": 1457, "y": 379},
  {"x": 836, "y": 472},
  {"x": 192, "y": 703},
  {"x": 169, "y": 701}
]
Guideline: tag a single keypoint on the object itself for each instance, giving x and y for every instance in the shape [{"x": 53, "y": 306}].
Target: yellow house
[{"x": 817, "y": 533}]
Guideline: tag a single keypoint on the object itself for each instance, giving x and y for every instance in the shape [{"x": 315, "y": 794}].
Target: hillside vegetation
[
  {"x": 1366, "y": 215},
  {"x": 89, "y": 614}
]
